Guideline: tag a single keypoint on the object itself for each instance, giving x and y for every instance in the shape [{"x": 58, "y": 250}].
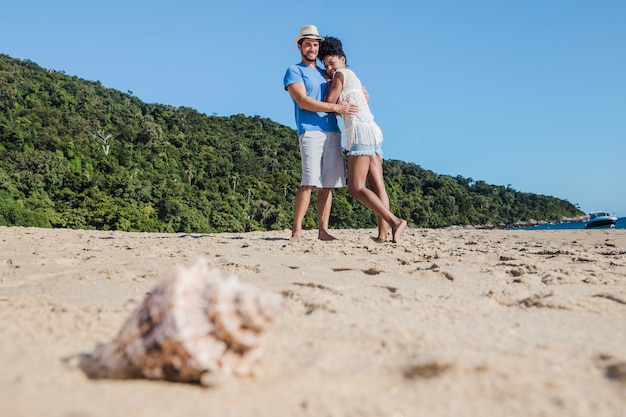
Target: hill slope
[{"x": 76, "y": 154}]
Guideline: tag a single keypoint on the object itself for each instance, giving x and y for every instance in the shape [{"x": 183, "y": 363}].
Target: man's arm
[{"x": 298, "y": 93}]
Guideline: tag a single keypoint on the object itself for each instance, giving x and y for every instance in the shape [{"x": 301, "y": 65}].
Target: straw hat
[{"x": 310, "y": 32}]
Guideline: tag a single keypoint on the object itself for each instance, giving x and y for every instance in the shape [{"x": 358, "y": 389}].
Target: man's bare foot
[
  {"x": 324, "y": 235},
  {"x": 295, "y": 235},
  {"x": 397, "y": 230}
]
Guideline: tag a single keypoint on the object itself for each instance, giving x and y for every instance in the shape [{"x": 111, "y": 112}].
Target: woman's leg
[
  {"x": 358, "y": 170},
  {"x": 376, "y": 183}
]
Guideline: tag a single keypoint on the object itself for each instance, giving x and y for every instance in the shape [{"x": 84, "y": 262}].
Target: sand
[{"x": 452, "y": 322}]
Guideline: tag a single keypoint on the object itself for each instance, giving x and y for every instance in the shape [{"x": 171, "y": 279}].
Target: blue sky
[{"x": 530, "y": 94}]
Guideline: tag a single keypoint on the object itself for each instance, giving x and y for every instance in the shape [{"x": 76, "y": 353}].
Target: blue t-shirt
[{"x": 315, "y": 85}]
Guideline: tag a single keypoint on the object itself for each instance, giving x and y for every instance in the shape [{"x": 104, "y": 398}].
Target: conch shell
[{"x": 195, "y": 326}]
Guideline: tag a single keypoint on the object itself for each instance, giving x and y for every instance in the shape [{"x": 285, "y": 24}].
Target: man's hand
[{"x": 345, "y": 107}]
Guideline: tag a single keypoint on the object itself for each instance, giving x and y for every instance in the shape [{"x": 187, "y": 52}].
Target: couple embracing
[{"x": 318, "y": 96}]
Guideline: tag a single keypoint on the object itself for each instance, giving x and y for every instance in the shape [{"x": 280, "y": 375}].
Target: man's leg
[
  {"x": 333, "y": 175},
  {"x": 303, "y": 198},
  {"x": 324, "y": 204}
]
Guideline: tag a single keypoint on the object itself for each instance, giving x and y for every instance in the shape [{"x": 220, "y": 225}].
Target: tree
[{"x": 103, "y": 139}]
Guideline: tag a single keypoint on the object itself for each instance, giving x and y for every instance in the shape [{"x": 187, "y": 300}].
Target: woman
[{"x": 363, "y": 139}]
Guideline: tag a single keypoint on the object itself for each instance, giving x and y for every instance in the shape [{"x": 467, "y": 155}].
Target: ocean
[{"x": 621, "y": 224}]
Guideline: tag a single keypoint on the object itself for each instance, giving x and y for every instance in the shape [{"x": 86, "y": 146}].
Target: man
[{"x": 318, "y": 134}]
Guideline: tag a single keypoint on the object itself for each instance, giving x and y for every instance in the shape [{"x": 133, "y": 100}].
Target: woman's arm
[{"x": 334, "y": 90}]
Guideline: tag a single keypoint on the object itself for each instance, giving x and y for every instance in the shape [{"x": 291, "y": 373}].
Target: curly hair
[{"x": 331, "y": 46}]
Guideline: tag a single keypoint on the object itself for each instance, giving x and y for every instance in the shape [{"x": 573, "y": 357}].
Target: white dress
[{"x": 358, "y": 128}]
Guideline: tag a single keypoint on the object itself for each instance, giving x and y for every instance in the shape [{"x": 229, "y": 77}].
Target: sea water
[{"x": 621, "y": 224}]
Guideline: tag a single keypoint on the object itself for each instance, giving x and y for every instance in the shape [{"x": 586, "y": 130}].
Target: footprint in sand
[
  {"x": 613, "y": 368},
  {"x": 426, "y": 369}
]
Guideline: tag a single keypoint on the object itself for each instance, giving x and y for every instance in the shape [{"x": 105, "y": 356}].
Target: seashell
[{"x": 197, "y": 325}]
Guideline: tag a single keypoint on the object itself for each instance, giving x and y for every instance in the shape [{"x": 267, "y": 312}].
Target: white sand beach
[{"x": 450, "y": 322}]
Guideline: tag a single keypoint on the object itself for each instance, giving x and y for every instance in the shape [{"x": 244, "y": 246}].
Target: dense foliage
[{"x": 75, "y": 154}]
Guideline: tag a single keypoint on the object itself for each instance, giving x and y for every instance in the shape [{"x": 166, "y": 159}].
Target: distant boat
[{"x": 600, "y": 219}]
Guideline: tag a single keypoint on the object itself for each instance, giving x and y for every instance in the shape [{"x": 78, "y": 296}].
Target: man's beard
[{"x": 307, "y": 59}]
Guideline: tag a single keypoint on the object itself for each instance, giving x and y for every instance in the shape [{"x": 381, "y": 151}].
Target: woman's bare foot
[
  {"x": 295, "y": 235},
  {"x": 397, "y": 230},
  {"x": 382, "y": 235}
]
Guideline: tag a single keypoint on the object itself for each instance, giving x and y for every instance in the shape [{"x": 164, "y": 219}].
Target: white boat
[{"x": 600, "y": 219}]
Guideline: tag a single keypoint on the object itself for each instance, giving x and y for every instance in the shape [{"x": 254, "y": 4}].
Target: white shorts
[{"x": 322, "y": 159}]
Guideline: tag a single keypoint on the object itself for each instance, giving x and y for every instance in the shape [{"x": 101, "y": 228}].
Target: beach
[{"x": 448, "y": 322}]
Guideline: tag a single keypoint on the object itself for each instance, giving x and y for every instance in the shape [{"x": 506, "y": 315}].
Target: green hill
[{"x": 74, "y": 154}]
